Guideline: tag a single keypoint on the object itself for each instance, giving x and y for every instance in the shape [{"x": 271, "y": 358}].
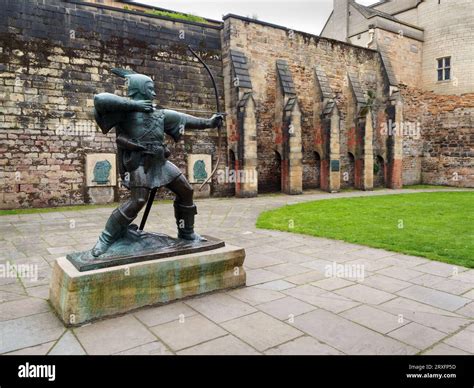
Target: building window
[{"x": 444, "y": 69}]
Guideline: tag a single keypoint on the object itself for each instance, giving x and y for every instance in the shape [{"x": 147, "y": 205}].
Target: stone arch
[
  {"x": 311, "y": 170},
  {"x": 379, "y": 171},
  {"x": 348, "y": 174},
  {"x": 274, "y": 184}
]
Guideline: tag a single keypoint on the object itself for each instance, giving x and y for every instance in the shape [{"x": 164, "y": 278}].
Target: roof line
[
  {"x": 250, "y": 20},
  {"x": 372, "y": 13},
  {"x": 327, "y": 21}
]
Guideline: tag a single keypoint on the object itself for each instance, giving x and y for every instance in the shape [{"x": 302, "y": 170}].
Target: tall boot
[
  {"x": 114, "y": 229},
  {"x": 185, "y": 221}
]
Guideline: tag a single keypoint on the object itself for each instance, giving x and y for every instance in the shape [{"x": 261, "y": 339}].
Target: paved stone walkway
[{"x": 404, "y": 305}]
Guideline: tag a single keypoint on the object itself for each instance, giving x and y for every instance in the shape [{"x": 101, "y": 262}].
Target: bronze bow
[{"x": 218, "y": 111}]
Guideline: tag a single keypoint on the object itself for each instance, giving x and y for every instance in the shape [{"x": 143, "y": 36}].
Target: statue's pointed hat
[{"x": 136, "y": 82}]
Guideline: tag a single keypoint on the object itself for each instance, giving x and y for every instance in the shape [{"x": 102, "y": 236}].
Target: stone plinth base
[{"x": 80, "y": 297}]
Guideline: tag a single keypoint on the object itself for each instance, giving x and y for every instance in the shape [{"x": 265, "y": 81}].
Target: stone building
[
  {"x": 429, "y": 43},
  {"x": 303, "y": 111},
  {"x": 427, "y": 47}
]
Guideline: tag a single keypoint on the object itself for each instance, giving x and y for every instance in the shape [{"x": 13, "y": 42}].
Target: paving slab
[
  {"x": 67, "y": 345},
  {"x": 288, "y": 269},
  {"x": 463, "y": 340},
  {"x": 440, "y": 269},
  {"x": 254, "y": 261},
  {"x": 348, "y": 337},
  {"x": 467, "y": 310},
  {"x": 425, "y": 315},
  {"x": 385, "y": 283},
  {"x": 452, "y": 286},
  {"x": 435, "y": 298},
  {"x": 255, "y": 295},
  {"x": 257, "y": 276},
  {"x": 364, "y": 294},
  {"x": 22, "y": 308},
  {"x": 276, "y": 285},
  {"x": 401, "y": 273},
  {"x": 228, "y": 345},
  {"x": 113, "y": 335},
  {"x": 374, "y": 318},
  {"x": 321, "y": 298},
  {"x": 261, "y": 331},
  {"x": 285, "y": 309},
  {"x": 220, "y": 307},
  {"x": 163, "y": 314},
  {"x": 29, "y": 331},
  {"x": 305, "y": 278},
  {"x": 403, "y": 260},
  {"x": 303, "y": 346},
  {"x": 38, "y": 350},
  {"x": 417, "y": 335},
  {"x": 155, "y": 348},
  {"x": 443, "y": 349},
  {"x": 189, "y": 332},
  {"x": 333, "y": 283}
]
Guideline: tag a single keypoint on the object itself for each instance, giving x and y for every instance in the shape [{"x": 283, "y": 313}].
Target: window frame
[{"x": 445, "y": 66}]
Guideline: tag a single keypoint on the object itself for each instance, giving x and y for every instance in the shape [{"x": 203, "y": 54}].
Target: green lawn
[{"x": 438, "y": 226}]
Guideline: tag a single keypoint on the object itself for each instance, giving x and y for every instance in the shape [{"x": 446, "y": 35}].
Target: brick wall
[{"x": 54, "y": 57}]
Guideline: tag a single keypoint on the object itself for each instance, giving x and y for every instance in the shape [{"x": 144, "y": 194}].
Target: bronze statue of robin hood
[{"x": 142, "y": 155}]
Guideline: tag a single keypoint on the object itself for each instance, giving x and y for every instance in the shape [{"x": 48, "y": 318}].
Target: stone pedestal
[{"x": 80, "y": 297}]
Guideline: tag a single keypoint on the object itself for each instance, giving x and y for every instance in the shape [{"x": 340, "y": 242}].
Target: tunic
[{"x": 150, "y": 168}]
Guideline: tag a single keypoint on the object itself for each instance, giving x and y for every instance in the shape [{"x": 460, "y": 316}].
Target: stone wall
[
  {"x": 442, "y": 153},
  {"x": 263, "y": 45},
  {"x": 54, "y": 57},
  {"x": 405, "y": 55}
]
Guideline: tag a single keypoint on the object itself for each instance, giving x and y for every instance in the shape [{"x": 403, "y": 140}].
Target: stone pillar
[
  {"x": 241, "y": 122},
  {"x": 328, "y": 133},
  {"x": 247, "y": 179},
  {"x": 368, "y": 155},
  {"x": 293, "y": 182},
  {"x": 288, "y": 120},
  {"x": 335, "y": 153},
  {"x": 395, "y": 143}
]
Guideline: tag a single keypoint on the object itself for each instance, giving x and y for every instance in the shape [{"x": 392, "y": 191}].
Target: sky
[{"x": 300, "y": 15}]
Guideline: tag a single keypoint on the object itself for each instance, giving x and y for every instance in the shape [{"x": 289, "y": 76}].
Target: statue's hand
[
  {"x": 216, "y": 120},
  {"x": 143, "y": 106}
]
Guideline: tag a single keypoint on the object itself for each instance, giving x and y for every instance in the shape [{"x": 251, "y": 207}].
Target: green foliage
[
  {"x": 178, "y": 15},
  {"x": 438, "y": 226}
]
